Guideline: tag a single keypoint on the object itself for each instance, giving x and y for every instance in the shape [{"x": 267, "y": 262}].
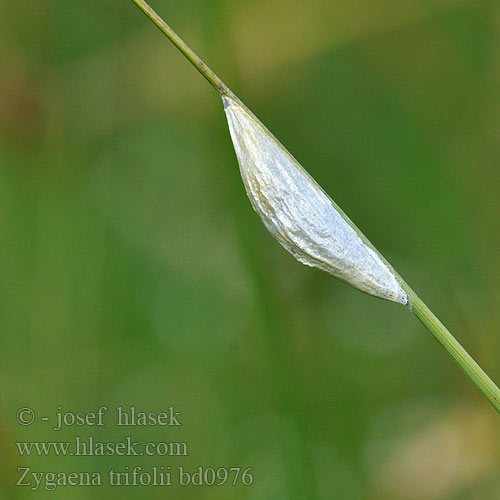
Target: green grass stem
[{"x": 421, "y": 311}]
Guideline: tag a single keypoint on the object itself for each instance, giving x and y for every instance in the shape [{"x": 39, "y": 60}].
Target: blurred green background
[{"x": 134, "y": 272}]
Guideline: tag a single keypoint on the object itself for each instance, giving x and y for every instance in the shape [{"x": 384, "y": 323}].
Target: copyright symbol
[{"x": 25, "y": 416}]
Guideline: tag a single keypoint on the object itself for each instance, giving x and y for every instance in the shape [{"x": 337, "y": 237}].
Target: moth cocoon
[{"x": 300, "y": 215}]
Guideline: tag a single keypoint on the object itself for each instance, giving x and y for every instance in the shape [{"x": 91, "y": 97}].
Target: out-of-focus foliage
[{"x": 134, "y": 272}]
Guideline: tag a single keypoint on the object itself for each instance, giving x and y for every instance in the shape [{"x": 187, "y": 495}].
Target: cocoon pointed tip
[{"x": 300, "y": 215}]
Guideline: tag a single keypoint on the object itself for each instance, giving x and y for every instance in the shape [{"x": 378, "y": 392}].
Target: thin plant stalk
[{"x": 416, "y": 305}]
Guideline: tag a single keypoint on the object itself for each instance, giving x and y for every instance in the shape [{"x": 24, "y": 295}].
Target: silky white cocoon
[{"x": 300, "y": 215}]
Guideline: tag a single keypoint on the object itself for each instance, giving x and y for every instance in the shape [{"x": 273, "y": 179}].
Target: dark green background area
[{"x": 134, "y": 272}]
